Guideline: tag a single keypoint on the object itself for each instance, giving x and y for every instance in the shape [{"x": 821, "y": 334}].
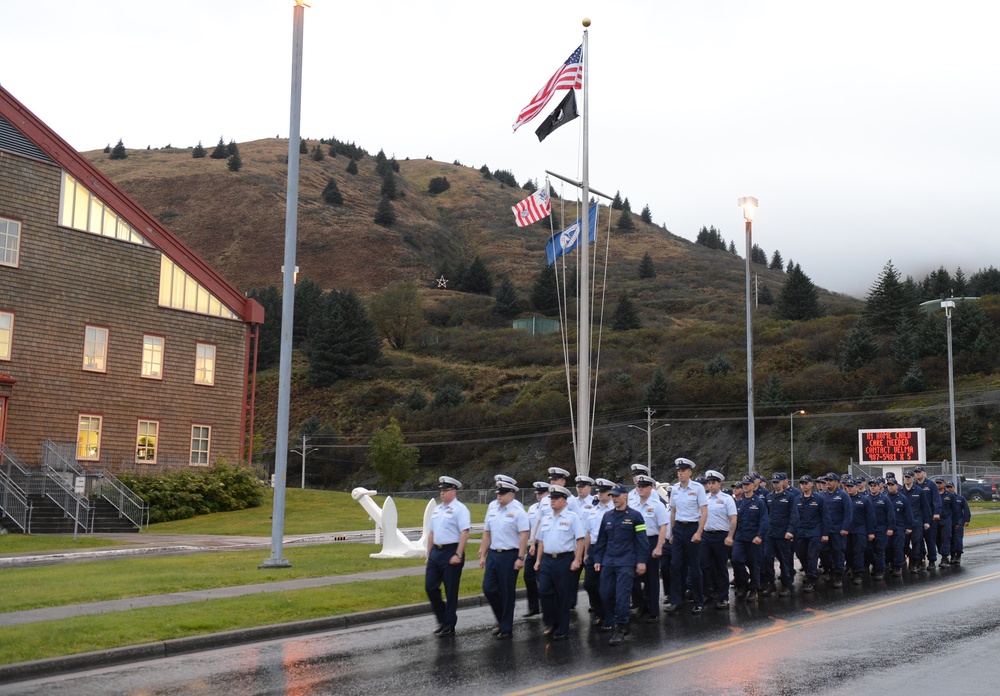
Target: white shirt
[
  {"x": 654, "y": 512},
  {"x": 720, "y": 507},
  {"x": 687, "y": 502},
  {"x": 505, "y": 525},
  {"x": 559, "y": 533},
  {"x": 449, "y": 521},
  {"x": 596, "y": 517}
]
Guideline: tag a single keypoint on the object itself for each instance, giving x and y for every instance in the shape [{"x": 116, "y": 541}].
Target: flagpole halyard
[{"x": 583, "y": 440}]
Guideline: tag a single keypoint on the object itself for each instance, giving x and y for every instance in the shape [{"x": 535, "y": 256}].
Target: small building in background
[{"x": 537, "y": 325}]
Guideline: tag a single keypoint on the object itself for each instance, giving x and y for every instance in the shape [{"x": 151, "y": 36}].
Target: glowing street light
[
  {"x": 749, "y": 206},
  {"x": 791, "y": 442}
]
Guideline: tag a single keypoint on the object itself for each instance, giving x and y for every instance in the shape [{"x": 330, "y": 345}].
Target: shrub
[
  {"x": 438, "y": 184},
  {"x": 190, "y": 492},
  {"x": 119, "y": 151}
]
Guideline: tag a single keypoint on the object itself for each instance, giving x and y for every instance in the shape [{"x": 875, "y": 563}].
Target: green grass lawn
[
  {"x": 26, "y": 543},
  {"x": 990, "y": 519}
]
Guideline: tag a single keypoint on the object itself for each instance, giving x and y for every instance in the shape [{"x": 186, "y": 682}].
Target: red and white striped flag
[
  {"x": 533, "y": 208},
  {"x": 568, "y": 76}
]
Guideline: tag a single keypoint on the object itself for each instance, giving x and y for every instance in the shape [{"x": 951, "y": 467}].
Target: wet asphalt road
[{"x": 931, "y": 633}]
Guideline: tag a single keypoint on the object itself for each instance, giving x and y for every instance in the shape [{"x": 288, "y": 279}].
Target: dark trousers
[
  {"x": 500, "y": 585},
  {"x": 894, "y": 549},
  {"x": 646, "y": 587},
  {"x": 440, "y": 571},
  {"x": 746, "y": 565},
  {"x": 685, "y": 559},
  {"x": 616, "y": 587},
  {"x": 531, "y": 584},
  {"x": 665, "y": 568},
  {"x": 807, "y": 549},
  {"x": 714, "y": 564},
  {"x": 944, "y": 531},
  {"x": 878, "y": 550},
  {"x": 916, "y": 543},
  {"x": 958, "y": 540},
  {"x": 555, "y": 588},
  {"x": 780, "y": 548},
  {"x": 930, "y": 541},
  {"x": 833, "y": 553},
  {"x": 856, "y": 544},
  {"x": 592, "y": 585}
]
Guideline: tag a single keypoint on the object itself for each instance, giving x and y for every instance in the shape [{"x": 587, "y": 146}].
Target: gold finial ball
[{"x": 586, "y": 21}]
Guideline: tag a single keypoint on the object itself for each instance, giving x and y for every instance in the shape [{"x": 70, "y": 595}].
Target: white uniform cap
[
  {"x": 712, "y": 473},
  {"x": 505, "y": 479},
  {"x": 639, "y": 467},
  {"x": 581, "y": 480},
  {"x": 684, "y": 462},
  {"x": 643, "y": 480},
  {"x": 561, "y": 490},
  {"x": 556, "y": 472},
  {"x": 449, "y": 482}
]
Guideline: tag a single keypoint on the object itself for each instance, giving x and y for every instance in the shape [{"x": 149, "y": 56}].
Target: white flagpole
[{"x": 583, "y": 296}]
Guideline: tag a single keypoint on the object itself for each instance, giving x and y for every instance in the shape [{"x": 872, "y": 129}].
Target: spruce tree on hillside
[
  {"x": 765, "y": 296},
  {"x": 626, "y": 316},
  {"x": 331, "y": 193},
  {"x": 646, "y": 267},
  {"x": 198, "y": 152},
  {"x": 858, "y": 349},
  {"x": 341, "y": 338},
  {"x": 626, "y": 205},
  {"x": 625, "y": 222},
  {"x": 389, "y": 189},
  {"x": 508, "y": 302},
  {"x": 773, "y": 401},
  {"x": 220, "y": 151},
  {"x": 352, "y": 166},
  {"x": 308, "y": 301},
  {"x": 888, "y": 302},
  {"x": 385, "y": 214},
  {"x": 732, "y": 249},
  {"x": 303, "y": 147},
  {"x": 316, "y": 154},
  {"x": 118, "y": 153},
  {"x": 799, "y": 298},
  {"x": 616, "y": 203},
  {"x": 235, "y": 162},
  {"x": 107, "y": 148},
  {"x": 657, "y": 389},
  {"x": 776, "y": 262},
  {"x": 646, "y": 215},
  {"x": 544, "y": 295},
  {"x": 438, "y": 184},
  {"x": 530, "y": 186},
  {"x": 232, "y": 148},
  {"x": 478, "y": 278},
  {"x": 269, "y": 338},
  {"x": 758, "y": 255}
]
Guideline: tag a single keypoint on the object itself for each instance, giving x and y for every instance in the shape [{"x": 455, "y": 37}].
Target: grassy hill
[{"x": 514, "y": 385}]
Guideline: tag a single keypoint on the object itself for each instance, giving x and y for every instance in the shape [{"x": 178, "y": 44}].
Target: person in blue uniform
[
  {"x": 560, "y": 543},
  {"x": 885, "y": 524},
  {"x": 558, "y": 477},
  {"x": 535, "y": 512},
  {"x": 961, "y": 517},
  {"x": 896, "y": 547},
  {"x": 688, "y": 514},
  {"x": 505, "y": 536},
  {"x": 619, "y": 554},
  {"x": 778, "y": 539},
  {"x": 447, "y": 535},
  {"x": 584, "y": 504},
  {"x": 636, "y": 470},
  {"x": 921, "y": 481},
  {"x": 751, "y": 528},
  {"x": 809, "y": 527},
  {"x": 861, "y": 530},
  {"x": 646, "y": 587},
  {"x": 592, "y": 579},
  {"x": 720, "y": 530},
  {"x": 920, "y": 508},
  {"x": 945, "y": 521},
  {"x": 838, "y": 503}
]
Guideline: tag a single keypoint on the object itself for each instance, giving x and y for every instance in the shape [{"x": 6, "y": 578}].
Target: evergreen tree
[
  {"x": 758, "y": 255},
  {"x": 626, "y": 316},
  {"x": 508, "y": 302},
  {"x": 397, "y": 313},
  {"x": 303, "y": 146},
  {"x": 646, "y": 267},
  {"x": 776, "y": 262},
  {"x": 352, "y": 166},
  {"x": 646, "y": 215},
  {"x": 382, "y": 166},
  {"x": 448, "y": 396},
  {"x": 530, "y": 186},
  {"x": 341, "y": 338},
  {"x": 657, "y": 389},
  {"x": 858, "y": 349},
  {"x": 625, "y": 222},
  {"x": 390, "y": 457},
  {"x": 799, "y": 298},
  {"x": 732, "y": 249},
  {"x": 479, "y": 279},
  {"x": 389, "y": 189},
  {"x": 107, "y": 148},
  {"x": 331, "y": 193},
  {"x": 913, "y": 380},
  {"x": 765, "y": 296},
  {"x": 959, "y": 284},
  {"x": 888, "y": 302},
  {"x": 772, "y": 398},
  {"x": 616, "y": 203},
  {"x": 417, "y": 400},
  {"x": 485, "y": 171},
  {"x": 269, "y": 337},
  {"x": 220, "y": 151},
  {"x": 544, "y": 295},
  {"x": 118, "y": 153},
  {"x": 985, "y": 281},
  {"x": 316, "y": 154},
  {"x": 232, "y": 148},
  {"x": 719, "y": 365},
  {"x": 438, "y": 184},
  {"x": 198, "y": 152},
  {"x": 626, "y": 205},
  {"x": 385, "y": 214},
  {"x": 235, "y": 162},
  {"x": 308, "y": 301}
]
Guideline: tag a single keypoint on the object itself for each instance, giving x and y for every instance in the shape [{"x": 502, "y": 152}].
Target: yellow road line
[{"x": 741, "y": 638}]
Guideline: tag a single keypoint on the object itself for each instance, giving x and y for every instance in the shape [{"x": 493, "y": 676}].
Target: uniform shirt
[
  {"x": 559, "y": 533},
  {"x": 947, "y": 507},
  {"x": 633, "y": 498},
  {"x": 720, "y": 507},
  {"x": 811, "y": 519},
  {"x": 780, "y": 507},
  {"x": 686, "y": 503},
  {"x": 654, "y": 512},
  {"x": 963, "y": 515},
  {"x": 862, "y": 515},
  {"x": 903, "y": 510},
  {"x": 751, "y": 518},
  {"x": 586, "y": 504},
  {"x": 920, "y": 505},
  {"x": 933, "y": 497},
  {"x": 622, "y": 541},
  {"x": 496, "y": 503},
  {"x": 885, "y": 513},
  {"x": 841, "y": 510},
  {"x": 594, "y": 518},
  {"x": 449, "y": 521},
  {"x": 573, "y": 505},
  {"x": 505, "y": 525},
  {"x": 532, "y": 522}
]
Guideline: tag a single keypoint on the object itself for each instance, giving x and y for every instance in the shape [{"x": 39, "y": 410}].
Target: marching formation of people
[{"x": 685, "y": 537}]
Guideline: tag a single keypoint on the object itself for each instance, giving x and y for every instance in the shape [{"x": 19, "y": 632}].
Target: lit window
[
  {"x": 145, "y": 443},
  {"x": 201, "y": 438},
  {"x": 95, "y": 349},
  {"x": 152, "y": 357},
  {"x": 10, "y": 242},
  {"x": 204, "y": 365},
  {"x": 88, "y": 438},
  {"x": 81, "y": 210},
  {"x": 6, "y": 335},
  {"x": 181, "y": 291}
]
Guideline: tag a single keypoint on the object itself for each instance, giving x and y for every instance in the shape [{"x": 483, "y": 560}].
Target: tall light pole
[
  {"x": 749, "y": 206},
  {"x": 649, "y": 436},
  {"x": 288, "y": 298},
  {"x": 948, "y": 306},
  {"x": 791, "y": 443}
]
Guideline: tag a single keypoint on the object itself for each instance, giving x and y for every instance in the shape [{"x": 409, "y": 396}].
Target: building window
[
  {"x": 10, "y": 242},
  {"x": 95, "y": 349},
  {"x": 152, "y": 357},
  {"x": 201, "y": 440},
  {"x": 6, "y": 335},
  {"x": 181, "y": 291},
  {"x": 81, "y": 210},
  {"x": 204, "y": 365},
  {"x": 88, "y": 438},
  {"x": 145, "y": 443}
]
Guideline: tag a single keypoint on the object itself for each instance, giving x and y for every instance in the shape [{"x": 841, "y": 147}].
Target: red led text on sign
[{"x": 890, "y": 446}]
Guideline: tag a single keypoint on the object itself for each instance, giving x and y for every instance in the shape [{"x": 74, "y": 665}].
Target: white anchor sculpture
[{"x": 394, "y": 542}]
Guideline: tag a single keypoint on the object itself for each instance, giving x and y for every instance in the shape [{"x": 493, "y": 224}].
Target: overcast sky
[{"x": 868, "y": 130}]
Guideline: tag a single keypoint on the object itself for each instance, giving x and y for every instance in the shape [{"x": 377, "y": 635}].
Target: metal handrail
[
  {"x": 61, "y": 457},
  {"x": 128, "y": 504},
  {"x": 14, "y": 503},
  {"x": 63, "y": 495}
]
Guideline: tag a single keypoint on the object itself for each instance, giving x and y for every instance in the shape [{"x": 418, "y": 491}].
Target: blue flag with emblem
[{"x": 569, "y": 239}]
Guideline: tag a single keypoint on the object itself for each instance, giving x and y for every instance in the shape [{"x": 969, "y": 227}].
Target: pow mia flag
[{"x": 564, "y": 113}]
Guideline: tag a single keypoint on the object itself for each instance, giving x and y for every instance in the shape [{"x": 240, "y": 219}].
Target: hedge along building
[{"x": 114, "y": 335}]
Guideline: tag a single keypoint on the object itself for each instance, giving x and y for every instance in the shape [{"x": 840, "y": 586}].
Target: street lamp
[
  {"x": 649, "y": 436},
  {"x": 749, "y": 206},
  {"x": 948, "y": 306},
  {"x": 791, "y": 442}
]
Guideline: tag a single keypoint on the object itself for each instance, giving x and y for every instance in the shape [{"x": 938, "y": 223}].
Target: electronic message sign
[{"x": 905, "y": 446}]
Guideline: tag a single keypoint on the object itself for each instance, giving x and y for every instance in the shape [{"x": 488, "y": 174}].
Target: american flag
[
  {"x": 533, "y": 208},
  {"x": 568, "y": 76}
]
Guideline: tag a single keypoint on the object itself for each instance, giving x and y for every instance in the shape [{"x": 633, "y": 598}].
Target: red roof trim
[{"x": 145, "y": 224}]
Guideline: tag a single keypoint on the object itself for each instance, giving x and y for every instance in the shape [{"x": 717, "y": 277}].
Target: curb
[{"x": 21, "y": 671}]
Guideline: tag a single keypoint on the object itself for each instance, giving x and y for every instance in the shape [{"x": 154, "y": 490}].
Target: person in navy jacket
[
  {"x": 885, "y": 524},
  {"x": 920, "y": 506},
  {"x": 838, "y": 504},
  {"x": 945, "y": 522},
  {"x": 896, "y": 546},
  {"x": 751, "y": 528},
  {"x": 960, "y": 519},
  {"x": 861, "y": 530},
  {"x": 778, "y": 542},
  {"x": 934, "y": 500},
  {"x": 809, "y": 528}
]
